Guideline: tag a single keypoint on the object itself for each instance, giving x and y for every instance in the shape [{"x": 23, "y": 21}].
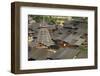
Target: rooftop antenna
[
  {"x": 43, "y": 20},
  {"x": 43, "y": 23}
]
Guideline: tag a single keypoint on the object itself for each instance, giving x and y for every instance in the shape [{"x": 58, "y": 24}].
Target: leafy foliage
[
  {"x": 83, "y": 48},
  {"x": 48, "y": 19}
]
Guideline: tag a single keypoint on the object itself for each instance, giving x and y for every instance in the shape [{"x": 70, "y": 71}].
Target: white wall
[{"x": 5, "y": 42}]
